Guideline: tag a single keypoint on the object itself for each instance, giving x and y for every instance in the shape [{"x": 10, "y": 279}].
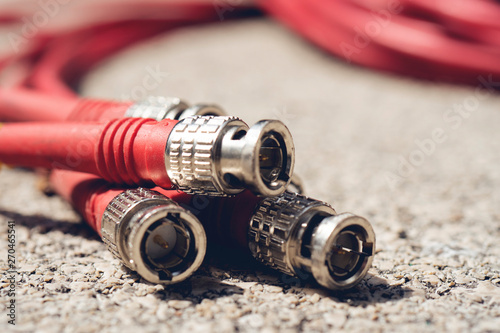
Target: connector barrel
[
  {"x": 222, "y": 155},
  {"x": 148, "y": 232}
]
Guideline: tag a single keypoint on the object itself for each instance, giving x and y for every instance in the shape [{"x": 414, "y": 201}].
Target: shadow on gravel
[
  {"x": 42, "y": 225},
  {"x": 242, "y": 266},
  {"x": 370, "y": 291}
]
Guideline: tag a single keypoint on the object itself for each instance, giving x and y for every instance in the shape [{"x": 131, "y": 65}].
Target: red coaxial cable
[
  {"x": 446, "y": 40},
  {"x": 215, "y": 155},
  {"x": 125, "y": 151},
  {"x": 403, "y": 41},
  {"x": 20, "y": 105},
  {"x": 88, "y": 194}
]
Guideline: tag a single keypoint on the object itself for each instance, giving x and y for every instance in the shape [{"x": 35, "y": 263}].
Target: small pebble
[
  {"x": 179, "y": 304},
  {"x": 274, "y": 289},
  {"x": 314, "y": 299},
  {"x": 432, "y": 280}
]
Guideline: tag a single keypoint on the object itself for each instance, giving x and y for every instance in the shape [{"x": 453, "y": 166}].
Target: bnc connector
[
  {"x": 217, "y": 156},
  {"x": 223, "y": 156},
  {"x": 293, "y": 233},
  {"x": 159, "y": 108},
  {"x": 153, "y": 236}
]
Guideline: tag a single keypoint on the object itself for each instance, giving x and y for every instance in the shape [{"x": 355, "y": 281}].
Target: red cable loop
[{"x": 445, "y": 40}]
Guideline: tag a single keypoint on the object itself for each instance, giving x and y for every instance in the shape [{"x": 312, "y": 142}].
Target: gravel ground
[{"x": 392, "y": 149}]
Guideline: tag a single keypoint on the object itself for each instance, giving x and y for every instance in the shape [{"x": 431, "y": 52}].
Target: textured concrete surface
[{"x": 363, "y": 143}]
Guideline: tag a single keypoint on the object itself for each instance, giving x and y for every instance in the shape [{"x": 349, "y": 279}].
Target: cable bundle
[
  {"x": 445, "y": 40},
  {"x": 217, "y": 158},
  {"x": 195, "y": 152},
  {"x": 56, "y": 44}
]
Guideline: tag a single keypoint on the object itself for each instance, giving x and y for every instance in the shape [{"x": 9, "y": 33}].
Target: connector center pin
[
  {"x": 160, "y": 241},
  {"x": 270, "y": 159},
  {"x": 345, "y": 254},
  {"x": 344, "y": 250}
]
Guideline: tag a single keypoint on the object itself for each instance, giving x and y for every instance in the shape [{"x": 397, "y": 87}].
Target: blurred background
[{"x": 394, "y": 109}]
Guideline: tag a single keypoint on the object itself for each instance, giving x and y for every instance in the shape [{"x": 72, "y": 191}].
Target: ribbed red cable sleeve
[{"x": 126, "y": 151}]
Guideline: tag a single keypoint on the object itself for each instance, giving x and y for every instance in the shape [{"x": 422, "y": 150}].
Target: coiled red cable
[
  {"x": 445, "y": 40},
  {"x": 435, "y": 40}
]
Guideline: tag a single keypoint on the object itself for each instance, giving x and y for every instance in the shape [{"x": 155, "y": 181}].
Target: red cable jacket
[
  {"x": 31, "y": 105},
  {"x": 28, "y": 105},
  {"x": 225, "y": 219},
  {"x": 65, "y": 57},
  {"x": 124, "y": 151},
  {"x": 69, "y": 57},
  {"x": 405, "y": 44},
  {"x": 98, "y": 110},
  {"x": 423, "y": 38},
  {"x": 88, "y": 194}
]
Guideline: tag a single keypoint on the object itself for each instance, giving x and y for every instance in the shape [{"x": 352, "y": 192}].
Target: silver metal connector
[
  {"x": 293, "y": 233},
  {"x": 159, "y": 108},
  {"x": 201, "y": 110},
  {"x": 221, "y": 156},
  {"x": 154, "y": 236}
]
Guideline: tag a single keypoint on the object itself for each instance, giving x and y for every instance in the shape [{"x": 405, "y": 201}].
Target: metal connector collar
[
  {"x": 201, "y": 110},
  {"x": 159, "y": 108},
  {"x": 293, "y": 233},
  {"x": 221, "y": 156},
  {"x": 154, "y": 236}
]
